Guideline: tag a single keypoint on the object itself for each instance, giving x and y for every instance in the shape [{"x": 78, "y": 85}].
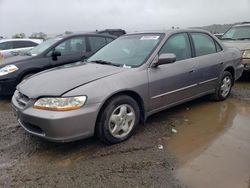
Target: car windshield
[
  {"x": 43, "y": 46},
  {"x": 130, "y": 50},
  {"x": 237, "y": 33}
]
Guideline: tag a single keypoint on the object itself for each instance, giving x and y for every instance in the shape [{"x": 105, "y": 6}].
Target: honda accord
[{"x": 125, "y": 82}]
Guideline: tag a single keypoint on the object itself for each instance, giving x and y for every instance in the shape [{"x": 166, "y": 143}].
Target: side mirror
[
  {"x": 55, "y": 54},
  {"x": 165, "y": 59}
]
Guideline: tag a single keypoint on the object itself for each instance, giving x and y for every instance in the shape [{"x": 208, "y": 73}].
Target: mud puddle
[
  {"x": 212, "y": 144},
  {"x": 5, "y": 104}
]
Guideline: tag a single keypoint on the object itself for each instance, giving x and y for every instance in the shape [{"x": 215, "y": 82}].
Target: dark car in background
[
  {"x": 123, "y": 83},
  {"x": 114, "y": 32},
  {"x": 51, "y": 53}
]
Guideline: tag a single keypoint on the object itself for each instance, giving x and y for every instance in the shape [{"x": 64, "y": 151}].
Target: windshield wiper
[
  {"x": 106, "y": 63},
  {"x": 244, "y": 38},
  {"x": 227, "y": 38}
]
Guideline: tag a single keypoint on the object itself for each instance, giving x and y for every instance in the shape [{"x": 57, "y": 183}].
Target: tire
[
  {"x": 118, "y": 120},
  {"x": 224, "y": 87}
]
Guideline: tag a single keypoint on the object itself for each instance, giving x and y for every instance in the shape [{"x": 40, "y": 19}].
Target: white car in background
[{"x": 12, "y": 47}]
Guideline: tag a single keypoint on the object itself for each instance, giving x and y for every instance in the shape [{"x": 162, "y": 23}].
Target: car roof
[
  {"x": 167, "y": 32},
  {"x": 23, "y": 39},
  {"x": 242, "y": 24},
  {"x": 83, "y": 34}
]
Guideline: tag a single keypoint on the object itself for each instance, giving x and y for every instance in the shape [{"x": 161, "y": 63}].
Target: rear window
[
  {"x": 109, "y": 40},
  {"x": 203, "y": 43},
  {"x": 96, "y": 43},
  {"x": 23, "y": 44}
]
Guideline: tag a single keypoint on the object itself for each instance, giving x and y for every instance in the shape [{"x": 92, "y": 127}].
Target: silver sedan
[{"x": 125, "y": 82}]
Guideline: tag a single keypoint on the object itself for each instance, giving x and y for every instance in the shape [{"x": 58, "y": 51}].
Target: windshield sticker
[
  {"x": 125, "y": 66},
  {"x": 149, "y": 37}
]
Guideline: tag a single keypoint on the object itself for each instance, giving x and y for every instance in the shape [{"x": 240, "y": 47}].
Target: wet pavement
[
  {"x": 197, "y": 144},
  {"x": 214, "y": 149}
]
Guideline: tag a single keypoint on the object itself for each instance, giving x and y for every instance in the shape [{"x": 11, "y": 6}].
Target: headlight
[
  {"x": 246, "y": 54},
  {"x": 8, "y": 69},
  {"x": 60, "y": 104}
]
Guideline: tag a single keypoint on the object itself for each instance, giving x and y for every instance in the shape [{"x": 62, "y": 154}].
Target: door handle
[
  {"x": 221, "y": 63},
  {"x": 191, "y": 71}
]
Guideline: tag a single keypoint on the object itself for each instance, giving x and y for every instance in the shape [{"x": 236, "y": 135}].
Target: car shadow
[{"x": 245, "y": 77}]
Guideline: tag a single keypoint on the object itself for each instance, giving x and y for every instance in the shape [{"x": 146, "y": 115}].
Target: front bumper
[
  {"x": 57, "y": 126},
  {"x": 238, "y": 71},
  {"x": 8, "y": 86}
]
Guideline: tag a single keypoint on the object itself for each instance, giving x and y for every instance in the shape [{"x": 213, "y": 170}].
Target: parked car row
[
  {"x": 13, "y": 47},
  {"x": 120, "y": 85}
]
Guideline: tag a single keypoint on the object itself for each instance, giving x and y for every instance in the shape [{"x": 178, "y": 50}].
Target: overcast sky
[{"x": 57, "y": 16}]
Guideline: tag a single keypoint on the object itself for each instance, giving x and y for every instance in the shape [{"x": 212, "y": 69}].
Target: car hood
[
  {"x": 57, "y": 81},
  {"x": 15, "y": 59},
  {"x": 241, "y": 45}
]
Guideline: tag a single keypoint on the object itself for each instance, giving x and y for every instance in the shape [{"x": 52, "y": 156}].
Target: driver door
[
  {"x": 72, "y": 50},
  {"x": 174, "y": 82}
]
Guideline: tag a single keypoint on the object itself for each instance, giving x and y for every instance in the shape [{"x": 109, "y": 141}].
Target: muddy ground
[{"x": 197, "y": 144}]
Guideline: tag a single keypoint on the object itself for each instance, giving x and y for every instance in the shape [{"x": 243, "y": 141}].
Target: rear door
[
  {"x": 172, "y": 83},
  {"x": 209, "y": 61}
]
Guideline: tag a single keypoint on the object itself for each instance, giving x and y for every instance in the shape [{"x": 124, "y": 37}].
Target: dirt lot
[{"x": 198, "y": 144}]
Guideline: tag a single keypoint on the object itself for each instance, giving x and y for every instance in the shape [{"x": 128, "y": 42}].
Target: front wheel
[
  {"x": 224, "y": 87},
  {"x": 118, "y": 120}
]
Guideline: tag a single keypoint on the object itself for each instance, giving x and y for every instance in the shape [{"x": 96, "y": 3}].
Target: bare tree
[
  {"x": 68, "y": 32},
  {"x": 19, "y": 35},
  {"x": 39, "y": 35}
]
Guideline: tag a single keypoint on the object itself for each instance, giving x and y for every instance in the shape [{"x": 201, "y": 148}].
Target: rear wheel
[
  {"x": 118, "y": 120},
  {"x": 224, "y": 87}
]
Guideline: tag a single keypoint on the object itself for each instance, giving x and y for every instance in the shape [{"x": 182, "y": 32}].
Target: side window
[
  {"x": 109, "y": 40},
  {"x": 6, "y": 45},
  {"x": 179, "y": 45},
  {"x": 218, "y": 47},
  {"x": 23, "y": 44},
  {"x": 96, "y": 43},
  {"x": 72, "y": 46},
  {"x": 203, "y": 44}
]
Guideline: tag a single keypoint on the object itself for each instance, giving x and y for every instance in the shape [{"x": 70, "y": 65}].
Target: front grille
[{"x": 21, "y": 99}]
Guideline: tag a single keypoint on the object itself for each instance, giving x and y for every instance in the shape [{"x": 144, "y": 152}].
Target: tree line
[{"x": 39, "y": 35}]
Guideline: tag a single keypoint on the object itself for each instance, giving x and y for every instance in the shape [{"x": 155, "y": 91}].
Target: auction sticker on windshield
[{"x": 149, "y": 37}]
